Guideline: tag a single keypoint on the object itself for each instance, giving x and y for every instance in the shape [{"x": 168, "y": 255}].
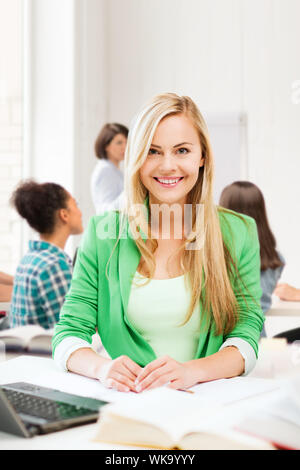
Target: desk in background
[
  {"x": 282, "y": 316},
  {"x": 283, "y": 308}
]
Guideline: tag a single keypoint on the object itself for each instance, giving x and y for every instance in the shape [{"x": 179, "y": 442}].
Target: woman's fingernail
[{"x": 138, "y": 388}]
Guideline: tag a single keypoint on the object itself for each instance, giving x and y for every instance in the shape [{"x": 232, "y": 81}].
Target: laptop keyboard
[{"x": 43, "y": 407}]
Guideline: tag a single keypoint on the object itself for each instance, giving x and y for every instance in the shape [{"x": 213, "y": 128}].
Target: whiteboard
[{"x": 228, "y": 136}]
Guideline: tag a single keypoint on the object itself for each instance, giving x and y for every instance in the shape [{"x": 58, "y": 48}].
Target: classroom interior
[{"x": 67, "y": 68}]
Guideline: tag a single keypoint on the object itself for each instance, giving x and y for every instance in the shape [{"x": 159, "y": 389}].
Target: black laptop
[{"x": 27, "y": 410}]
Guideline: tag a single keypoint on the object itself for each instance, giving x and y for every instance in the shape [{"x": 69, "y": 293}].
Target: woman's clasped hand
[{"x": 125, "y": 375}]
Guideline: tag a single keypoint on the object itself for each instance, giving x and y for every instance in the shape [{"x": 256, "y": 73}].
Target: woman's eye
[
  {"x": 153, "y": 152},
  {"x": 182, "y": 151}
]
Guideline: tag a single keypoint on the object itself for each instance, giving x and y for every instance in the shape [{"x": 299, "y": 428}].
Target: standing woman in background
[
  {"x": 246, "y": 198},
  {"x": 107, "y": 179},
  {"x": 172, "y": 307},
  {"x": 44, "y": 274}
]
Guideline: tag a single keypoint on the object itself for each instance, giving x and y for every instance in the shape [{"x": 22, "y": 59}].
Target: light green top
[{"x": 158, "y": 316}]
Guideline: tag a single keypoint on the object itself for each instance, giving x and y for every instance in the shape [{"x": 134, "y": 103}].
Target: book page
[
  {"x": 278, "y": 431},
  {"x": 207, "y": 410},
  {"x": 40, "y": 344},
  {"x": 226, "y": 391},
  {"x": 25, "y": 333},
  {"x": 174, "y": 412}
]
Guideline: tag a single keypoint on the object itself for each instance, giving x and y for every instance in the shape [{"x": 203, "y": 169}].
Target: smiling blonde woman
[{"x": 174, "y": 303}]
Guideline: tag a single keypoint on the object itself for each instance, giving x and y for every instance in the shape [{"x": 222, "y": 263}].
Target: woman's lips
[{"x": 168, "y": 182}]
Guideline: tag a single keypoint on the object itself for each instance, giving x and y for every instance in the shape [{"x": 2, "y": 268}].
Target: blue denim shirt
[{"x": 268, "y": 281}]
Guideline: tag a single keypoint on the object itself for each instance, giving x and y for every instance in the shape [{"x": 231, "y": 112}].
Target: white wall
[
  {"x": 91, "y": 96},
  {"x": 229, "y": 56},
  {"x": 11, "y": 129},
  {"x": 271, "y": 65},
  {"x": 65, "y": 89},
  {"x": 52, "y": 88}
]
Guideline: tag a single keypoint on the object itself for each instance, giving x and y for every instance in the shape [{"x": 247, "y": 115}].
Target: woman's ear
[
  {"x": 63, "y": 215},
  {"x": 202, "y": 161}
]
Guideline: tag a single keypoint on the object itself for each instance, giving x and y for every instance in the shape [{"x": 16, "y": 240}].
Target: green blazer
[{"x": 96, "y": 301}]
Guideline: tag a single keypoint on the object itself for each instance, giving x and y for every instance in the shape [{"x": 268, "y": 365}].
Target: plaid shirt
[{"x": 41, "y": 282}]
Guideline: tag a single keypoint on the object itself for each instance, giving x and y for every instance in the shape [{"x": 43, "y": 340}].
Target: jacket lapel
[{"x": 129, "y": 258}]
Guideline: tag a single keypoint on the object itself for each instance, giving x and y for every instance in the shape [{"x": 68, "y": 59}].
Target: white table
[
  {"x": 24, "y": 368},
  {"x": 42, "y": 371},
  {"x": 282, "y": 316},
  {"x": 283, "y": 308}
]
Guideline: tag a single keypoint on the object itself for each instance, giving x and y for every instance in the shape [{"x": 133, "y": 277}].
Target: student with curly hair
[{"x": 44, "y": 274}]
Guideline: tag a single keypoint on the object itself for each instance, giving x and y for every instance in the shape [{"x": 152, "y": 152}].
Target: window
[{"x": 11, "y": 129}]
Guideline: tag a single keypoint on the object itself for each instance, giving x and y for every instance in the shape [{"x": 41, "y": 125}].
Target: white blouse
[{"x": 107, "y": 185}]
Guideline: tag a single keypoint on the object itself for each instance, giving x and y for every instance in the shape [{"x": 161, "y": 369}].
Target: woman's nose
[{"x": 168, "y": 163}]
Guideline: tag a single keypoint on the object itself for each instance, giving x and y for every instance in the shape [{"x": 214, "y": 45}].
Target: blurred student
[
  {"x": 107, "y": 181},
  {"x": 44, "y": 274},
  {"x": 6, "y": 283},
  {"x": 246, "y": 198},
  {"x": 287, "y": 292}
]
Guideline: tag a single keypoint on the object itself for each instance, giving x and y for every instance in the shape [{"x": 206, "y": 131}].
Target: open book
[
  {"x": 167, "y": 419},
  {"x": 278, "y": 421},
  {"x": 37, "y": 340},
  {"x": 29, "y": 338}
]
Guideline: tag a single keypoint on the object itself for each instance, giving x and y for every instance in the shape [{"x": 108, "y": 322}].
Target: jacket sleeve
[
  {"x": 248, "y": 290},
  {"x": 78, "y": 316}
]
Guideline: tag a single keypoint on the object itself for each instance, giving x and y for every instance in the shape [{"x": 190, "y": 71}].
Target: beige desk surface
[{"x": 283, "y": 308}]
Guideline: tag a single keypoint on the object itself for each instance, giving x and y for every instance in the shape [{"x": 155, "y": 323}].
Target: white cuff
[
  {"x": 246, "y": 351},
  {"x": 66, "y": 347}
]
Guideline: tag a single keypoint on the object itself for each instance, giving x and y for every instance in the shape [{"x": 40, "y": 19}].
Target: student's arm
[
  {"x": 6, "y": 279},
  {"x": 248, "y": 293},
  {"x": 72, "y": 338},
  {"x": 5, "y": 293},
  {"x": 119, "y": 373},
  {"x": 287, "y": 292}
]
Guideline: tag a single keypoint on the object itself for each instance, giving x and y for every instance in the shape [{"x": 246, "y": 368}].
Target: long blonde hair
[{"x": 208, "y": 269}]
